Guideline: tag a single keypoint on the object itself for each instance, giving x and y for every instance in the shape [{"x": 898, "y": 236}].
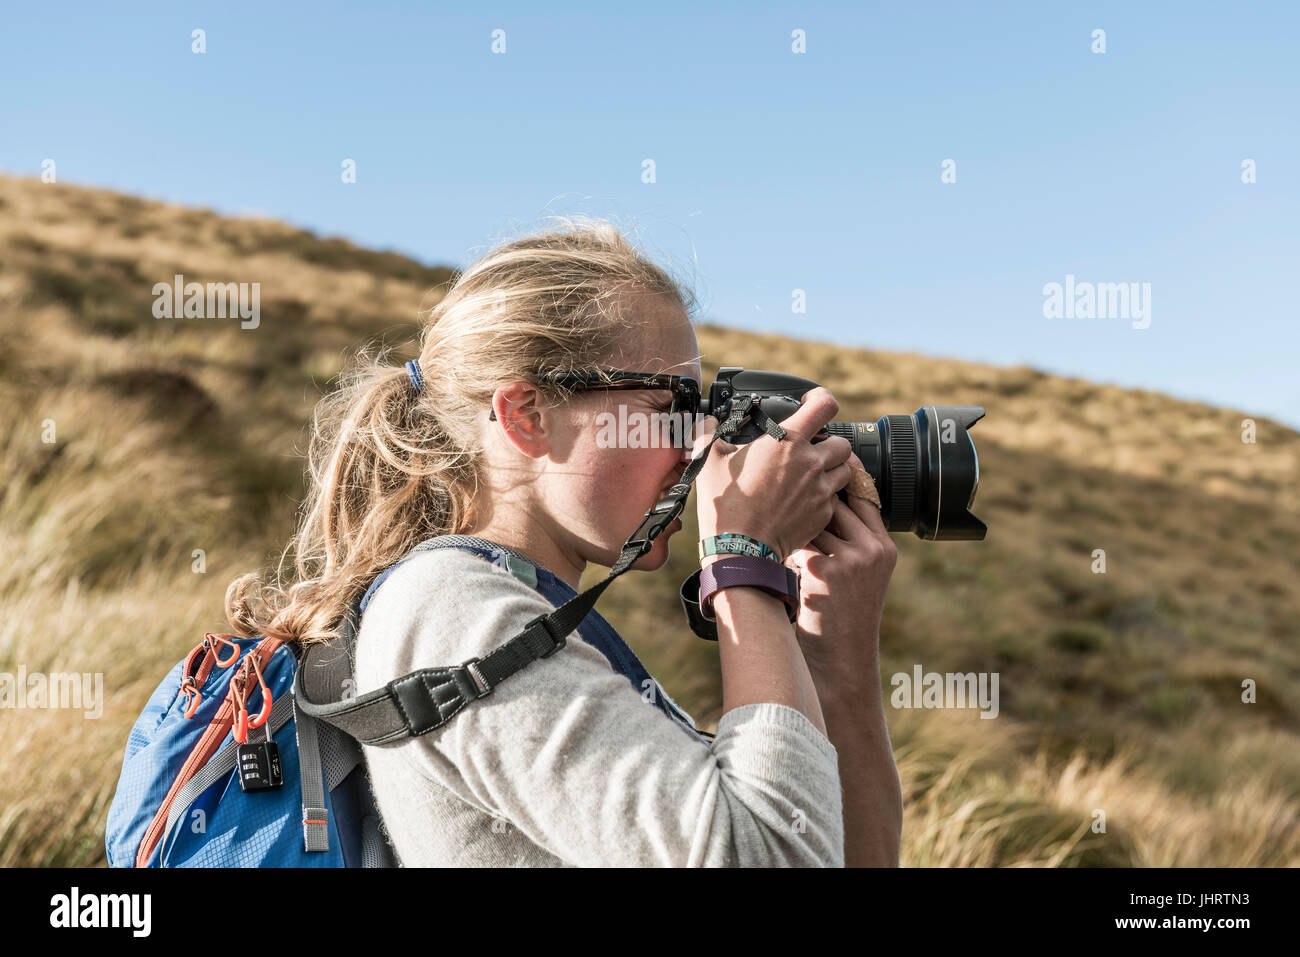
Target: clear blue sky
[{"x": 775, "y": 171}]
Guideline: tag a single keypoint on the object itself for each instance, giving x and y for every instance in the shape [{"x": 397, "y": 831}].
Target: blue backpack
[{"x": 248, "y": 754}]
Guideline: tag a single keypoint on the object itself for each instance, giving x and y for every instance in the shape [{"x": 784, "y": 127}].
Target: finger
[
  {"x": 868, "y": 514},
  {"x": 840, "y": 476},
  {"x": 834, "y": 450},
  {"x": 829, "y": 543},
  {"x": 850, "y": 524},
  {"x": 817, "y": 407},
  {"x": 804, "y": 551},
  {"x": 799, "y": 558}
]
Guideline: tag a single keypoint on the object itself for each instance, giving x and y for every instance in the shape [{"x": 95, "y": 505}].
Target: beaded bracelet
[{"x": 735, "y": 544}]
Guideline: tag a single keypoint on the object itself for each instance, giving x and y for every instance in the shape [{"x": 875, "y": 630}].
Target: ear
[{"x": 521, "y": 417}]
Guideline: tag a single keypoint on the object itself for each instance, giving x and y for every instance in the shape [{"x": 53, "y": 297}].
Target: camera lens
[{"x": 928, "y": 471}]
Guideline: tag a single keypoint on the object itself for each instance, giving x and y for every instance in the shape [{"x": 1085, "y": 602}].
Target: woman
[{"x": 564, "y": 763}]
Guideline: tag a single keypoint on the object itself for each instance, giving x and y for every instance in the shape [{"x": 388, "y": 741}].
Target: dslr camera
[{"x": 924, "y": 465}]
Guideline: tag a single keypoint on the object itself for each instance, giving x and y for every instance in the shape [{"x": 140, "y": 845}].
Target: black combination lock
[{"x": 258, "y": 765}]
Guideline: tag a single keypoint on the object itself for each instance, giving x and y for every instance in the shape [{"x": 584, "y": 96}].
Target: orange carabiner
[
  {"x": 265, "y": 713},
  {"x": 236, "y": 693},
  {"x": 214, "y": 642},
  {"x": 188, "y": 688}
]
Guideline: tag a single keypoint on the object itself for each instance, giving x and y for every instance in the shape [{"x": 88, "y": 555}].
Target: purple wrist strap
[{"x": 754, "y": 572}]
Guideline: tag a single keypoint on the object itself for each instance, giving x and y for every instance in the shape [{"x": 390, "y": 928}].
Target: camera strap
[{"x": 425, "y": 700}]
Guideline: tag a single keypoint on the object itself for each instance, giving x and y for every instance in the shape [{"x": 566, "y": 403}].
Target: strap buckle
[
  {"x": 480, "y": 683},
  {"x": 546, "y": 626},
  {"x": 659, "y": 517}
]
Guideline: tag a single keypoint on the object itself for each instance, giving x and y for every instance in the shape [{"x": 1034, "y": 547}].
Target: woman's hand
[
  {"x": 843, "y": 575},
  {"x": 779, "y": 492}
]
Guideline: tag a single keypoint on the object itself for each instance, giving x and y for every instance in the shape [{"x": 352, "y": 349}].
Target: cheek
[
  {"x": 621, "y": 483},
  {"x": 641, "y": 472},
  {"x": 612, "y": 476},
  {"x": 632, "y": 478}
]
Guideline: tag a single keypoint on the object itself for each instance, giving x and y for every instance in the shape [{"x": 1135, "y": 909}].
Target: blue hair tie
[{"x": 413, "y": 371}]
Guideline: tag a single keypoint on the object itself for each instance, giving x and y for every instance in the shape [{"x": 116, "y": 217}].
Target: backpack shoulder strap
[{"x": 419, "y": 702}]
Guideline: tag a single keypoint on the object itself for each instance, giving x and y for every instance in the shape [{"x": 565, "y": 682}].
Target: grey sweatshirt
[{"x": 565, "y": 763}]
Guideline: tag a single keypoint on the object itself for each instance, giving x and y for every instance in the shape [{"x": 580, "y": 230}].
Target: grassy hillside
[{"x": 1120, "y": 692}]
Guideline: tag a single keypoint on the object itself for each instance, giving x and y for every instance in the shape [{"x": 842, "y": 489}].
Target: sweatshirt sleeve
[{"x": 569, "y": 753}]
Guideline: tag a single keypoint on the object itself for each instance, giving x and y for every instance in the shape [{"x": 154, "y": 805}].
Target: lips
[{"x": 663, "y": 492}]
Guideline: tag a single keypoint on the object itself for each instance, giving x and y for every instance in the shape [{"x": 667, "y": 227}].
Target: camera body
[{"x": 924, "y": 465}]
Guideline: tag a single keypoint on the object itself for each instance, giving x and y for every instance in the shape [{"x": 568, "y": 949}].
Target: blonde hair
[{"x": 389, "y": 467}]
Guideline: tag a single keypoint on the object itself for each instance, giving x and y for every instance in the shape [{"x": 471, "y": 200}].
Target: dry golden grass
[{"x": 1120, "y": 693}]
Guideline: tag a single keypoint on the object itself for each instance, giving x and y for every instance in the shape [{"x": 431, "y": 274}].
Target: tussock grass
[{"x": 1120, "y": 692}]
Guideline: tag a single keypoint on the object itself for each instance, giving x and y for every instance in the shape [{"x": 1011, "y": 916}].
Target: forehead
[{"x": 662, "y": 339}]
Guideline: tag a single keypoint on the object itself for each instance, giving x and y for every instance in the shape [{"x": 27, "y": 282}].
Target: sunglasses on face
[{"x": 685, "y": 390}]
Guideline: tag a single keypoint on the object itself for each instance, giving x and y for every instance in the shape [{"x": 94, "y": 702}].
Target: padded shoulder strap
[{"x": 524, "y": 570}]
